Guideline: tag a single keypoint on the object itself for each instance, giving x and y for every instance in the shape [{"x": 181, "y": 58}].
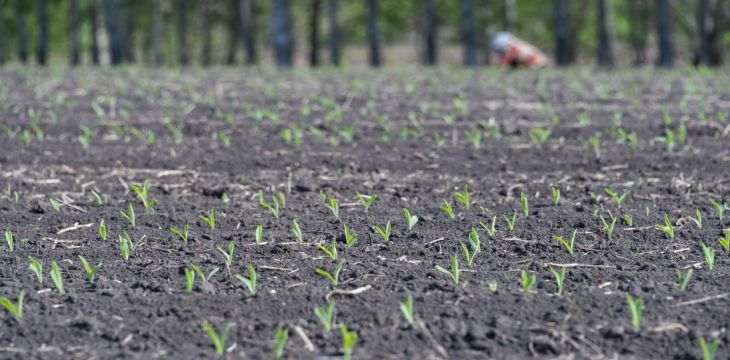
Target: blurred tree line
[{"x": 212, "y": 32}]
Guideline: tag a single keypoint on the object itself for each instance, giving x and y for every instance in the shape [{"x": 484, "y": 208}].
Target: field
[{"x": 180, "y": 185}]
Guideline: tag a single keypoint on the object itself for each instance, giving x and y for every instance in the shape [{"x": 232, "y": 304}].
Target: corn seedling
[
  {"x": 556, "y": 196},
  {"x": 37, "y": 268},
  {"x": 201, "y": 274},
  {"x": 667, "y": 228},
  {"x": 56, "y": 277},
  {"x": 90, "y": 270},
  {"x": 129, "y": 215},
  {"x": 189, "y": 280},
  {"x": 365, "y": 200},
  {"x": 452, "y": 273},
  {"x": 618, "y": 199},
  {"x": 568, "y": 244},
  {"x": 228, "y": 254},
  {"x": 14, "y": 308},
  {"x": 55, "y": 205},
  {"x": 448, "y": 209},
  {"x": 127, "y": 246},
  {"x": 709, "y": 254},
  {"x": 463, "y": 197},
  {"x": 709, "y": 350},
  {"x": 217, "y": 338},
  {"x": 559, "y": 276},
  {"x": 259, "y": 235},
  {"x": 384, "y": 234},
  {"x": 349, "y": 340},
  {"x": 10, "y": 240},
  {"x": 250, "y": 281},
  {"x": 350, "y": 237},
  {"x": 406, "y": 308},
  {"x": 103, "y": 230},
  {"x": 280, "y": 338},
  {"x": 538, "y": 136},
  {"x": 524, "y": 204},
  {"x": 297, "y": 231},
  {"x": 210, "y": 219},
  {"x": 628, "y": 220},
  {"x": 683, "y": 279},
  {"x": 333, "y": 277},
  {"x": 527, "y": 280},
  {"x": 636, "y": 308},
  {"x": 277, "y": 202},
  {"x": 510, "y": 221},
  {"x": 719, "y": 209},
  {"x": 411, "y": 220},
  {"x": 492, "y": 285},
  {"x": 334, "y": 207},
  {"x": 725, "y": 242},
  {"x": 182, "y": 234},
  {"x": 143, "y": 193},
  {"x": 475, "y": 245},
  {"x": 332, "y": 252},
  {"x": 697, "y": 219},
  {"x": 491, "y": 228},
  {"x": 608, "y": 227},
  {"x": 325, "y": 315},
  {"x": 100, "y": 200}
]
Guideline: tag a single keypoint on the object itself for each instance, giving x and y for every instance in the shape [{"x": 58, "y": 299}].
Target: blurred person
[{"x": 517, "y": 53}]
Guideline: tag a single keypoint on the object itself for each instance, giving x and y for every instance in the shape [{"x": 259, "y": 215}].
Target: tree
[
  {"x": 468, "y": 28},
  {"x": 156, "y": 33},
  {"x": 74, "y": 42},
  {"x": 638, "y": 15},
  {"x": 248, "y": 29},
  {"x": 604, "y": 21},
  {"x": 373, "y": 33},
  {"x": 430, "y": 33},
  {"x": 664, "y": 33},
  {"x": 43, "y": 34},
  {"x": 111, "y": 11},
  {"x": 234, "y": 31},
  {"x": 704, "y": 52},
  {"x": 334, "y": 33},
  {"x": 22, "y": 33},
  {"x": 510, "y": 15},
  {"x": 94, "y": 16},
  {"x": 314, "y": 33},
  {"x": 127, "y": 35},
  {"x": 561, "y": 32},
  {"x": 281, "y": 27},
  {"x": 203, "y": 15},
  {"x": 182, "y": 30}
]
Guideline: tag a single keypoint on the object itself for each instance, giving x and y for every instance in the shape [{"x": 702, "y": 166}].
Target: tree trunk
[
  {"x": 605, "y": 33},
  {"x": 334, "y": 33},
  {"x": 182, "y": 43},
  {"x": 156, "y": 33},
  {"x": 112, "y": 26},
  {"x": 205, "y": 28},
  {"x": 73, "y": 33},
  {"x": 314, "y": 33},
  {"x": 510, "y": 15},
  {"x": 281, "y": 26},
  {"x": 373, "y": 33},
  {"x": 43, "y": 34},
  {"x": 249, "y": 30},
  {"x": 430, "y": 33},
  {"x": 128, "y": 33},
  {"x": 94, "y": 15},
  {"x": 561, "y": 33},
  {"x": 468, "y": 28},
  {"x": 234, "y": 32},
  {"x": 664, "y": 33},
  {"x": 639, "y": 14},
  {"x": 704, "y": 52},
  {"x": 22, "y": 36}
]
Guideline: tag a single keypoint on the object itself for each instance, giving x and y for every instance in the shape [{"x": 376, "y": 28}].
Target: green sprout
[
  {"x": 527, "y": 280},
  {"x": 406, "y": 308},
  {"x": 250, "y": 281},
  {"x": 14, "y": 308},
  {"x": 182, "y": 234},
  {"x": 492, "y": 285},
  {"x": 334, "y": 277},
  {"x": 103, "y": 229},
  {"x": 385, "y": 234},
  {"x": 297, "y": 231},
  {"x": 349, "y": 340},
  {"x": 463, "y": 197},
  {"x": 524, "y": 204},
  {"x": 448, "y": 209},
  {"x": 277, "y": 202},
  {"x": 475, "y": 247},
  {"x": 619, "y": 200},
  {"x": 130, "y": 216},
  {"x": 491, "y": 228},
  {"x": 709, "y": 350},
  {"x": 90, "y": 270},
  {"x": 629, "y": 220},
  {"x": 510, "y": 222},
  {"x": 709, "y": 254},
  {"x": 365, "y": 200},
  {"x": 37, "y": 268},
  {"x": 556, "y": 196},
  {"x": 636, "y": 307},
  {"x": 411, "y": 220},
  {"x": 189, "y": 280},
  {"x": 453, "y": 273},
  {"x": 683, "y": 279},
  {"x": 568, "y": 244},
  {"x": 332, "y": 252},
  {"x": 259, "y": 235},
  {"x": 697, "y": 219},
  {"x": 10, "y": 240},
  {"x": 719, "y": 209},
  {"x": 668, "y": 228},
  {"x": 218, "y": 339},
  {"x": 201, "y": 274},
  {"x": 350, "y": 237},
  {"x": 280, "y": 338},
  {"x": 55, "y": 204},
  {"x": 334, "y": 207},
  {"x": 56, "y": 277},
  {"x": 227, "y": 254},
  {"x": 210, "y": 219},
  {"x": 725, "y": 242},
  {"x": 143, "y": 193},
  {"x": 127, "y": 246},
  {"x": 559, "y": 276},
  {"x": 608, "y": 227},
  {"x": 538, "y": 136},
  {"x": 325, "y": 315}
]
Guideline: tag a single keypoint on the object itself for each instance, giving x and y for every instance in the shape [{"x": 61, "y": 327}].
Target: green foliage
[
  {"x": 608, "y": 226},
  {"x": 127, "y": 246},
  {"x": 618, "y": 199},
  {"x": 250, "y": 281},
  {"x": 453, "y": 272},
  {"x": 277, "y": 203},
  {"x": 668, "y": 227},
  {"x": 491, "y": 228},
  {"x": 56, "y": 277},
  {"x": 527, "y": 280},
  {"x": 697, "y": 219},
  {"x": 201, "y": 274},
  {"x": 475, "y": 247},
  {"x": 709, "y": 254},
  {"x": 709, "y": 350},
  {"x": 683, "y": 279},
  {"x": 182, "y": 234},
  {"x": 90, "y": 270},
  {"x": 326, "y": 315},
  {"x": 559, "y": 276},
  {"x": 406, "y": 308},
  {"x": 130, "y": 215},
  {"x": 556, "y": 196},
  {"x": 210, "y": 219},
  {"x": 524, "y": 204},
  {"x": 228, "y": 254},
  {"x": 259, "y": 234},
  {"x": 365, "y": 200},
  {"x": 217, "y": 338},
  {"x": 334, "y": 207},
  {"x": 333, "y": 277},
  {"x": 297, "y": 231},
  {"x": 350, "y": 237},
  {"x": 448, "y": 209},
  {"x": 463, "y": 197},
  {"x": 280, "y": 338},
  {"x": 725, "y": 242},
  {"x": 10, "y": 240},
  {"x": 411, "y": 220},
  {"x": 332, "y": 252},
  {"x": 14, "y": 308},
  {"x": 719, "y": 209},
  {"x": 510, "y": 221},
  {"x": 568, "y": 244},
  {"x": 103, "y": 234},
  {"x": 349, "y": 340},
  {"x": 384, "y": 234},
  {"x": 636, "y": 308},
  {"x": 37, "y": 268},
  {"x": 143, "y": 193}
]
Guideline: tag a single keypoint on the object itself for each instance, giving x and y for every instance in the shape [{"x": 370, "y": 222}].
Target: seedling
[
  {"x": 182, "y": 234},
  {"x": 411, "y": 220},
  {"x": 280, "y": 338},
  {"x": 55, "y": 205},
  {"x": 189, "y": 280},
  {"x": 463, "y": 197},
  {"x": 491, "y": 228},
  {"x": 37, "y": 268},
  {"x": 143, "y": 193},
  {"x": 406, "y": 308},
  {"x": 56, "y": 277},
  {"x": 129, "y": 215},
  {"x": 619, "y": 200},
  {"x": 527, "y": 280},
  {"x": 201, "y": 274},
  {"x": 709, "y": 254},
  {"x": 608, "y": 227},
  {"x": 629, "y": 220},
  {"x": 448, "y": 209},
  {"x": 365, "y": 200},
  {"x": 210, "y": 219},
  {"x": 332, "y": 252},
  {"x": 697, "y": 219},
  {"x": 636, "y": 308},
  {"x": 510, "y": 221},
  {"x": 325, "y": 315},
  {"x": 538, "y": 136},
  {"x": 127, "y": 246},
  {"x": 719, "y": 209},
  {"x": 683, "y": 279},
  {"x": 559, "y": 276},
  {"x": 349, "y": 340},
  {"x": 384, "y": 234},
  {"x": 10, "y": 240},
  {"x": 277, "y": 202},
  {"x": 297, "y": 231},
  {"x": 524, "y": 204},
  {"x": 102, "y": 229},
  {"x": 492, "y": 285},
  {"x": 334, "y": 277},
  {"x": 100, "y": 200},
  {"x": 725, "y": 242},
  {"x": 14, "y": 308},
  {"x": 709, "y": 350},
  {"x": 218, "y": 339},
  {"x": 475, "y": 247},
  {"x": 350, "y": 237},
  {"x": 668, "y": 228},
  {"x": 334, "y": 207},
  {"x": 250, "y": 281},
  {"x": 567, "y": 244},
  {"x": 259, "y": 235},
  {"x": 228, "y": 255},
  {"x": 453, "y": 273},
  {"x": 556, "y": 196}
]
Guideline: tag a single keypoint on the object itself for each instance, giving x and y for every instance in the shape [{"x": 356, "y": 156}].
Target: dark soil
[{"x": 410, "y": 147}]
